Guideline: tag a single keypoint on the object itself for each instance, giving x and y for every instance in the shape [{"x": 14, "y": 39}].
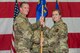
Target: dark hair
[
  {"x": 23, "y": 3},
  {"x": 58, "y": 11}
]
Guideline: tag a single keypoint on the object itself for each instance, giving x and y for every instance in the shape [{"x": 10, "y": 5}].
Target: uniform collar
[
  {"x": 57, "y": 23},
  {"x": 23, "y": 16}
]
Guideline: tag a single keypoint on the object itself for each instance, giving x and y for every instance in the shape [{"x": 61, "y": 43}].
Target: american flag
[
  {"x": 16, "y": 12},
  {"x": 16, "y": 9},
  {"x": 70, "y": 14}
]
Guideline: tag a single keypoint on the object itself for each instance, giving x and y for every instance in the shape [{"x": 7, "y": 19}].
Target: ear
[{"x": 20, "y": 9}]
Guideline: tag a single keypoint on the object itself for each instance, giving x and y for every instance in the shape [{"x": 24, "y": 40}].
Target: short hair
[
  {"x": 23, "y": 3},
  {"x": 57, "y": 10}
]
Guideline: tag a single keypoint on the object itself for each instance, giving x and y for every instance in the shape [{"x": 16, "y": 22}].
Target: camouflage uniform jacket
[
  {"x": 23, "y": 32},
  {"x": 57, "y": 38}
]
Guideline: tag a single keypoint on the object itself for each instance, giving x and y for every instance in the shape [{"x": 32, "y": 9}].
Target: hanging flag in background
[
  {"x": 39, "y": 9},
  {"x": 16, "y": 9},
  {"x": 57, "y": 4},
  {"x": 71, "y": 16},
  {"x": 16, "y": 12}
]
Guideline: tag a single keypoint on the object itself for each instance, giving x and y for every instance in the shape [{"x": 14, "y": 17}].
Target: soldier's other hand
[{"x": 42, "y": 20}]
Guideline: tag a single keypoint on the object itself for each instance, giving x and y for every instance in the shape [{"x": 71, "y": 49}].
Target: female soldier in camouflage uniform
[{"x": 57, "y": 35}]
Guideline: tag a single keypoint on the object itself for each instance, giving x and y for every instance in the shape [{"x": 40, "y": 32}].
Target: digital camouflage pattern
[{"x": 27, "y": 37}]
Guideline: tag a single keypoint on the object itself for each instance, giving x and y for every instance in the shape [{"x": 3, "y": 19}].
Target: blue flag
[
  {"x": 16, "y": 9},
  {"x": 57, "y": 6},
  {"x": 39, "y": 9}
]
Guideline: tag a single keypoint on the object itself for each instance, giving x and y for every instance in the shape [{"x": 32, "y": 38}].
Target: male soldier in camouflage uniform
[
  {"x": 57, "y": 35},
  {"x": 23, "y": 30}
]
